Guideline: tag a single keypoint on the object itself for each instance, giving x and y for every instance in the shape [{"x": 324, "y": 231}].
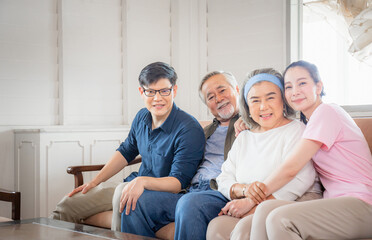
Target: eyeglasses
[{"x": 162, "y": 92}]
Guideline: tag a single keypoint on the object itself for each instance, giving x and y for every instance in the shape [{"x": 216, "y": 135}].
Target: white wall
[
  {"x": 90, "y": 61},
  {"x": 246, "y": 35},
  {"x": 28, "y": 62},
  {"x": 76, "y": 62},
  {"x": 28, "y": 75}
]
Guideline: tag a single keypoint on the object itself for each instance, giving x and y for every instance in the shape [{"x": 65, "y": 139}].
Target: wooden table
[{"x": 45, "y": 228}]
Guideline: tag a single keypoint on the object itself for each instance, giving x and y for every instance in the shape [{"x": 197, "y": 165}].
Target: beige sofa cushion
[{"x": 365, "y": 124}]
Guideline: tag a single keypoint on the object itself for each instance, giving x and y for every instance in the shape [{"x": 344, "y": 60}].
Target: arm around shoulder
[{"x": 301, "y": 155}]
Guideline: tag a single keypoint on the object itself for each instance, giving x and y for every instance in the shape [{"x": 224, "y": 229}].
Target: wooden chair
[
  {"x": 15, "y": 199},
  {"x": 77, "y": 171},
  {"x": 167, "y": 232},
  {"x": 100, "y": 219}
]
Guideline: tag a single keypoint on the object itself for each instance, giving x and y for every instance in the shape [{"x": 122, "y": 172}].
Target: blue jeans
[
  {"x": 194, "y": 211},
  {"x": 153, "y": 211},
  {"x": 156, "y": 209}
]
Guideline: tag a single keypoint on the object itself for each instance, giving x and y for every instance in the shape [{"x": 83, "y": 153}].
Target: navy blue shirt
[{"x": 174, "y": 149}]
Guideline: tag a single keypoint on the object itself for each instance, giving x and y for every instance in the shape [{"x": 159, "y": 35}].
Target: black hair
[
  {"x": 155, "y": 71},
  {"x": 314, "y": 74}
]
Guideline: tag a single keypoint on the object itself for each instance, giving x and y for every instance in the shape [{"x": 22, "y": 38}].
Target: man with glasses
[
  {"x": 170, "y": 141},
  {"x": 156, "y": 211}
]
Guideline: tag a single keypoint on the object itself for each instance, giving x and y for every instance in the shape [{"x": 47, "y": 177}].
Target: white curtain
[{"x": 352, "y": 19}]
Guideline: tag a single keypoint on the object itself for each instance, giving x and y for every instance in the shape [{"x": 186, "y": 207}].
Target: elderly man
[
  {"x": 155, "y": 209},
  {"x": 170, "y": 141}
]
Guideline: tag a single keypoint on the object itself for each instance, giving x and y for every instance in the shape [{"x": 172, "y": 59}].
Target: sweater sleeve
[
  {"x": 228, "y": 170},
  {"x": 304, "y": 179}
]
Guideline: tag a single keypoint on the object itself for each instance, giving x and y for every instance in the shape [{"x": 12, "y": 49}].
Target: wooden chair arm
[
  {"x": 84, "y": 168},
  {"x": 77, "y": 171},
  {"x": 15, "y": 199}
]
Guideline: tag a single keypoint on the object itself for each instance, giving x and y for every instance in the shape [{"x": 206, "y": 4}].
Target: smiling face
[
  {"x": 221, "y": 98},
  {"x": 301, "y": 92},
  {"x": 159, "y": 106},
  {"x": 265, "y": 104}
]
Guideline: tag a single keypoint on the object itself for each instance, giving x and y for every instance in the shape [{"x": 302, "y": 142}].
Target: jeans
[
  {"x": 153, "y": 211},
  {"x": 156, "y": 209},
  {"x": 194, "y": 211}
]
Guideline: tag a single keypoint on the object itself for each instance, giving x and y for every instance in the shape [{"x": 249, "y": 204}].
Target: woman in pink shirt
[{"x": 340, "y": 155}]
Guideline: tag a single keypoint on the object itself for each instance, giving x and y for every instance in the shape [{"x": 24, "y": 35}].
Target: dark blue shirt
[{"x": 174, "y": 149}]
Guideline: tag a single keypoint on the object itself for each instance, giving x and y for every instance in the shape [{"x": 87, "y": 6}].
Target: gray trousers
[
  {"x": 104, "y": 197},
  {"x": 335, "y": 218},
  {"x": 226, "y": 227}
]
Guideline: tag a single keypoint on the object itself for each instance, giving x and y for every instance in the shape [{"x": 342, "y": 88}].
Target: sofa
[{"x": 365, "y": 124}]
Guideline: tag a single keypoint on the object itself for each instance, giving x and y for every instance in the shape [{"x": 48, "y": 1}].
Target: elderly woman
[
  {"x": 342, "y": 158},
  {"x": 253, "y": 156}
]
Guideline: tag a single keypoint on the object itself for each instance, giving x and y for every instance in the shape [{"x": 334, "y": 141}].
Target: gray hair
[
  {"x": 228, "y": 76},
  {"x": 244, "y": 109}
]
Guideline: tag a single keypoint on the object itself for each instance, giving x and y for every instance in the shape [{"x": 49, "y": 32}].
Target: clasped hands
[{"x": 254, "y": 194}]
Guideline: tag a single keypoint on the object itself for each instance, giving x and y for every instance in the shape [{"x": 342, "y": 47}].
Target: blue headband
[{"x": 259, "y": 78}]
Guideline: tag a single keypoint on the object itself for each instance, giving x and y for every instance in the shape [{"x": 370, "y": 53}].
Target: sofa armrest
[{"x": 77, "y": 171}]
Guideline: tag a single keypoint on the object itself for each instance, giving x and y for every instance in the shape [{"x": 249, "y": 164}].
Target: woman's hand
[
  {"x": 256, "y": 192},
  {"x": 237, "y": 208},
  {"x": 240, "y": 126}
]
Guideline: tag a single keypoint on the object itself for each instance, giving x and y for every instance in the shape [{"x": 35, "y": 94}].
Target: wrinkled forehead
[{"x": 215, "y": 82}]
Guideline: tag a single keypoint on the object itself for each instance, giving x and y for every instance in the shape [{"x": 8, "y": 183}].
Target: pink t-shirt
[{"x": 344, "y": 162}]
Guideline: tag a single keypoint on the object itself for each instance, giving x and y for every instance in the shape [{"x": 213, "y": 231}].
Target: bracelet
[
  {"x": 243, "y": 191},
  {"x": 232, "y": 189}
]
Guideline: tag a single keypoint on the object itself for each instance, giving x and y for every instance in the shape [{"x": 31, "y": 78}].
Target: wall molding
[{"x": 35, "y": 170}]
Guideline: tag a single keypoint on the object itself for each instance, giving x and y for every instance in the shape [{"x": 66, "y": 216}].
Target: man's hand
[
  {"x": 237, "y": 208},
  {"x": 240, "y": 126},
  {"x": 257, "y": 192},
  {"x": 83, "y": 188},
  {"x": 131, "y": 192}
]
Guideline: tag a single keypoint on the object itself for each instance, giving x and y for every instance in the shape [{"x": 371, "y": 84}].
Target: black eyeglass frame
[{"x": 167, "y": 92}]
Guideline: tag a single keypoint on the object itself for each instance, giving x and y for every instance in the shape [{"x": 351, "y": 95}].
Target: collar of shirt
[{"x": 167, "y": 125}]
